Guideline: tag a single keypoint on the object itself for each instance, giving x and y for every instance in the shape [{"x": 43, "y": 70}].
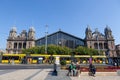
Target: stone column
[
  {"x": 12, "y": 47},
  {"x": 17, "y": 45},
  {"x": 22, "y": 45},
  {"x": 102, "y": 45}
]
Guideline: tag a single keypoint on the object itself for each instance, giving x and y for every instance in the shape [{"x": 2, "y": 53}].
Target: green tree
[
  {"x": 86, "y": 51},
  {"x": 58, "y": 50},
  {"x": 51, "y": 49}
]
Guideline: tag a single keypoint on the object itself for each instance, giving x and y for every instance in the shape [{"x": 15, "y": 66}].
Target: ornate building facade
[
  {"x": 15, "y": 43},
  {"x": 118, "y": 50},
  {"x": 97, "y": 40}
]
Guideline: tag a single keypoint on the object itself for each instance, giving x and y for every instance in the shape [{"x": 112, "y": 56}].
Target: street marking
[
  {"x": 42, "y": 75},
  {"x": 19, "y": 74},
  {"x": 29, "y": 78},
  {"x": 6, "y": 71}
]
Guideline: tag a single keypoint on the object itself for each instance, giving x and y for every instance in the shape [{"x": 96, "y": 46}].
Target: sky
[{"x": 71, "y": 16}]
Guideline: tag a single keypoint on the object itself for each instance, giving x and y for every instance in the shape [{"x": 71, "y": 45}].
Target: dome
[
  {"x": 95, "y": 34},
  {"x": 107, "y": 28},
  {"x": 32, "y": 29},
  {"x": 88, "y": 28},
  {"x": 14, "y": 29}
]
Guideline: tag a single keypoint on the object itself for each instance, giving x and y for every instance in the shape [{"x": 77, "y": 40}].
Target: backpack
[{"x": 70, "y": 67}]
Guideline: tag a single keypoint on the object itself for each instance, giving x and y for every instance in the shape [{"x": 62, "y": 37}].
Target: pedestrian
[
  {"x": 9, "y": 61},
  {"x": 74, "y": 69},
  {"x": 51, "y": 59},
  {"x": 70, "y": 70},
  {"x": 78, "y": 69},
  {"x": 92, "y": 70}
]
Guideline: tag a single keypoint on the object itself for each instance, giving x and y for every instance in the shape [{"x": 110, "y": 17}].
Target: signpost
[{"x": 57, "y": 60}]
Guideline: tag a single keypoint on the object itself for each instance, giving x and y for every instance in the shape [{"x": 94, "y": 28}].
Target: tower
[
  {"x": 88, "y": 37},
  {"x": 31, "y": 33},
  {"x": 110, "y": 41},
  {"x": 10, "y": 41},
  {"x": 88, "y": 32},
  {"x": 31, "y": 38},
  {"x": 13, "y": 33},
  {"x": 108, "y": 33}
]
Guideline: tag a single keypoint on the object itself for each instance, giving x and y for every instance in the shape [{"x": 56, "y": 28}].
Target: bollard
[
  {"x": 13, "y": 62},
  {"x": 118, "y": 72},
  {"x": 55, "y": 70}
]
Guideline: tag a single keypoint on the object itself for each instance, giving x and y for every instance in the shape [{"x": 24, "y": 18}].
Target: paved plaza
[{"x": 46, "y": 74}]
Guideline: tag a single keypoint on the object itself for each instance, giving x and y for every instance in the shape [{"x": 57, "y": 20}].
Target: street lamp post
[
  {"x": 1, "y": 54},
  {"x": 46, "y": 39},
  {"x": 98, "y": 44},
  {"x": 72, "y": 57}
]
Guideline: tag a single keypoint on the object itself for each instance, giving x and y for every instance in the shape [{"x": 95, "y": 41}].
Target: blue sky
[{"x": 71, "y": 16}]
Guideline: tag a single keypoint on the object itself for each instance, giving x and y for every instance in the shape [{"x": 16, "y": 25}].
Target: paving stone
[
  {"x": 62, "y": 75},
  {"x": 118, "y": 72}
]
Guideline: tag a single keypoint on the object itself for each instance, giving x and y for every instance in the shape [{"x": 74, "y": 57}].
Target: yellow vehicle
[
  {"x": 12, "y": 58},
  {"x": 67, "y": 58},
  {"x": 99, "y": 59},
  {"x": 39, "y": 58}
]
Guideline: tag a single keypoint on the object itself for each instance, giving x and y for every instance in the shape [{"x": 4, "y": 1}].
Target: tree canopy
[{"x": 61, "y": 50}]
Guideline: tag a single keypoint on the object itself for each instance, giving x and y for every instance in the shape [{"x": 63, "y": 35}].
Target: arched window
[
  {"x": 15, "y": 45},
  {"x": 10, "y": 45},
  {"x": 95, "y": 45},
  {"x": 105, "y": 46},
  {"x": 24, "y": 45},
  {"x": 20, "y": 45},
  {"x": 101, "y": 46}
]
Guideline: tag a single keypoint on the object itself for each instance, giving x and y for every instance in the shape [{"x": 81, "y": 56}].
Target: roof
[{"x": 63, "y": 33}]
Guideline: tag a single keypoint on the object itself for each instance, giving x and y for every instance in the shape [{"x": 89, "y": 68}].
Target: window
[
  {"x": 20, "y": 45},
  {"x": 101, "y": 46},
  {"x": 95, "y": 45},
  {"x": 15, "y": 45},
  {"x": 24, "y": 45},
  {"x": 105, "y": 46}
]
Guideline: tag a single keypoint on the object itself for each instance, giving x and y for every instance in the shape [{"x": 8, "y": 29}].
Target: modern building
[
  {"x": 97, "y": 40},
  {"x": 62, "y": 39},
  {"x": 15, "y": 43}
]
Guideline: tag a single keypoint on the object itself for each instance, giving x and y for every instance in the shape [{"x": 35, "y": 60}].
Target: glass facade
[{"x": 62, "y": 39}]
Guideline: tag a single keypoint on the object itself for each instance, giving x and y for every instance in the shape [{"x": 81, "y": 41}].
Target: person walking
[
  {"x": 9, "y": 61},
  {"x": 78, "y": 69},
  {"x": 70, "y": 70},
  {"x": 92, "y": 70},
  {"x": 74, "y": 69}
]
